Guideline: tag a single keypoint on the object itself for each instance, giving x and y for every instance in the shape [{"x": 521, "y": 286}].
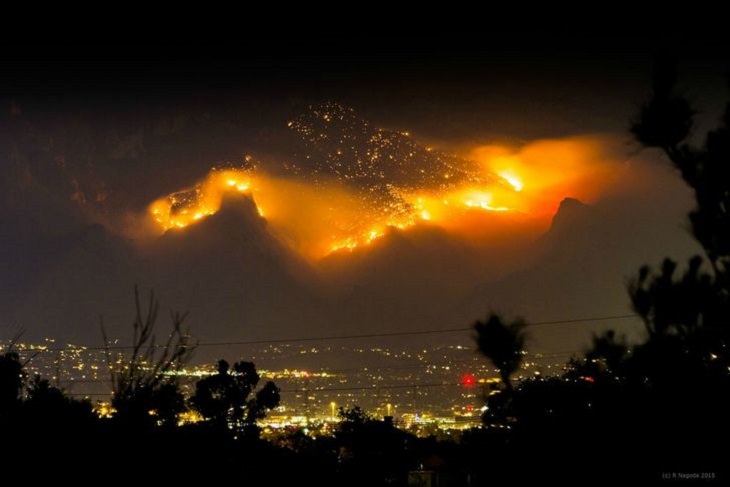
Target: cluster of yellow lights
[{"x": 181, "y": 209}]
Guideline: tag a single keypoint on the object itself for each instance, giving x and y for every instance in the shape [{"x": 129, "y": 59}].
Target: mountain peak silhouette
[{"x": 570, "y": 212}]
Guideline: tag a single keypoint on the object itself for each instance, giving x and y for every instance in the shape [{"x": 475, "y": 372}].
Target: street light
[{"x": 333, "y": 405}]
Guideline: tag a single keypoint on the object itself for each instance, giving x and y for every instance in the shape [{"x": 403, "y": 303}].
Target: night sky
[{"x": 92, "y": 135}]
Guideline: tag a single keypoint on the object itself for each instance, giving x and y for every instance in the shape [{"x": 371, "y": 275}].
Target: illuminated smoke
[{"x": 353, "y": 183}]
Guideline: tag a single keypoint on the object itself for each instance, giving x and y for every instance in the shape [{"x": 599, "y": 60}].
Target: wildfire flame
[
  {"x": 319, "y": 217},
  {"x": 182, "y": 208},
  {"x": 349, "y": 229}
]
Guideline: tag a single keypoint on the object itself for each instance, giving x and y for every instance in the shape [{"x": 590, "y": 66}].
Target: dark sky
[
  {"x": 566, "y": 78},
  {"x": 84, "y": 118}
]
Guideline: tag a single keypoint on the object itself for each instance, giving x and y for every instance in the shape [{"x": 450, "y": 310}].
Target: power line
[
  {"x": 407, "y": 333},
  {"x": 338, "y": 337},
  {"x": 581, "y": 320}
]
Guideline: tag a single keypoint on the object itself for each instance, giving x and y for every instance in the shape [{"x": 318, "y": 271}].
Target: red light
[
  {"x": 589, "y": 379},
  {"x": 468, "y": 380}
]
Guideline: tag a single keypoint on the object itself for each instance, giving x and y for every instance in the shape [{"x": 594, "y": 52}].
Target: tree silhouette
[
  {"x": 145, "y": 388},
  {"x": 49, "y": 408},
  {"x": 223, "y": 398},
  {"x": 12, "y": 378},
  {"x": 604, "y": 360},
  {"x": 43, "y": 428},
  {"x": 503, "y": 344},
  {"x": 689, "y": 313},
  {"x": 352, "y": 418},
  {"x": 665, "y": 121},
  {"x": 372, "y": 452},
  {"x": 609, "y": 349}
]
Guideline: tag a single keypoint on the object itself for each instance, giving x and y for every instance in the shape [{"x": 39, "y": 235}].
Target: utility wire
[{"x": 335, "y": 337}]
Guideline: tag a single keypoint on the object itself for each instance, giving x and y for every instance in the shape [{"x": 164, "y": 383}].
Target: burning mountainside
[{"x": 353, "y": 183}]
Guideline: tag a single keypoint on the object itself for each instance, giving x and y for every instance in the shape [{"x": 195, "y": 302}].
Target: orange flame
[
  {"x": 183, "y": 208},
  {"x": 326, "y": 217}
]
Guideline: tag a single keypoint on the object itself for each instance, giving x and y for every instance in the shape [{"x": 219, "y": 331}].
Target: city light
[{"x": 468, "y": 380}]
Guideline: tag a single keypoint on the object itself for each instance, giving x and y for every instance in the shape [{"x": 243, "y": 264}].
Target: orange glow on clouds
[
  {"x": 326, "y": 217},
  {"x": 546, "y": 171}
]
